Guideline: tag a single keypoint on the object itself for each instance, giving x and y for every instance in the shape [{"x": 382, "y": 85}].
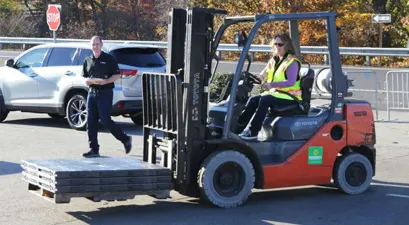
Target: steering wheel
[{"x": 254, "y": 78}]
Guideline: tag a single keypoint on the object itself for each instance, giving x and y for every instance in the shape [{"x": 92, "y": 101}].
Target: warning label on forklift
[{"x": 315, "y": 154}]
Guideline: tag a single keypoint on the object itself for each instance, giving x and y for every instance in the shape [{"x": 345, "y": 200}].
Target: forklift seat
[
  {"x": 299, "y": 107},
  {"x": 293, "y": 128},
  {"x": 295, "y": 122}
]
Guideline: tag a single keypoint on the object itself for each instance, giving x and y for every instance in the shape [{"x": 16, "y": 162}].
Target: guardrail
[{"x": 353, "y": 51}]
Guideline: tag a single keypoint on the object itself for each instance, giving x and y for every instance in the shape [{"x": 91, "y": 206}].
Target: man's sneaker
[
  {"x": 247, "y": 135},
  {"x": 128, "y": 145},
  {"x": 91, "y": 154}
]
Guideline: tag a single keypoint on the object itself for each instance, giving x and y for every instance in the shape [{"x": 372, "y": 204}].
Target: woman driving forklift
[{"x": 283, "y": 75}]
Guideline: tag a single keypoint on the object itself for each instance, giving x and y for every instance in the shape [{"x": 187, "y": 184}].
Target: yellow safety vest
[{"x": 279, "y": 76}]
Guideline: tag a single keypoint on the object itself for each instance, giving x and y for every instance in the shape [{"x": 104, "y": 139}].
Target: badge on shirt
[{"x": 103, "y": 62}]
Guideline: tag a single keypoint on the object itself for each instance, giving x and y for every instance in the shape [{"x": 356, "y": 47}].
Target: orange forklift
[{"x": 189, "y": 142}]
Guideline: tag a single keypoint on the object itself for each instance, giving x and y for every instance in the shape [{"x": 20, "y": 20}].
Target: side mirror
[
  {"x": 10, "y": 62},
  {"x": 240, "y": 38}
]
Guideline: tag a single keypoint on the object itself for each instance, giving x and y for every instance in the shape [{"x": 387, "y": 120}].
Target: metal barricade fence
[
  {"x": 366, "y": 86},
  {"x": 397, "y": 92}
]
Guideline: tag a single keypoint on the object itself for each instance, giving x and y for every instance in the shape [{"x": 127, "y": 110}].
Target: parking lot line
[{"x": 399, "y": 196}]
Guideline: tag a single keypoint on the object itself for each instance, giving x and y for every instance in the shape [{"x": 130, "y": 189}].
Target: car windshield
[{"x": 139, "y": 57}]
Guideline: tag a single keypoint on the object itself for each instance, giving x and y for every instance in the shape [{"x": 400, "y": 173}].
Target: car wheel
[
  {"x": 76, "y": 112},
  {"x": 353, "y": 173},
  {"x": 3, "y": 111},
  {"x": 226, "y": 179},
  {"x": 137, "y": 119}
]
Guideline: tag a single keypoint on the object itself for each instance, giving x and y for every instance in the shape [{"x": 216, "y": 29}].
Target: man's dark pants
[
  {"x": 99, "y": 105},
  {"x": 259, "y": 105}
]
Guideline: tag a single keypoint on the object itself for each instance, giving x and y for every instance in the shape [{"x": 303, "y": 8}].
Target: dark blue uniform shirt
[{"x": 102, "y": 67}]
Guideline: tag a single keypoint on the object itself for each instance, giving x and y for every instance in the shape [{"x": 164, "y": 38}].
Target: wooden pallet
[{"x": 60, "y": 198}]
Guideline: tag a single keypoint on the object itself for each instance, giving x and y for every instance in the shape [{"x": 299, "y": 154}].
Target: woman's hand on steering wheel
[{"x": 254, "y": 78}]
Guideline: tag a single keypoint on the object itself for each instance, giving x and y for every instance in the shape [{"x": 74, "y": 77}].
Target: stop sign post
[{"x": 54, "y": 18}]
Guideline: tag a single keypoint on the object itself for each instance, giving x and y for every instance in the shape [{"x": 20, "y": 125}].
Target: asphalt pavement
[
  {"x": 37, "y": 136},
  {"x": 9, "y": 54}
]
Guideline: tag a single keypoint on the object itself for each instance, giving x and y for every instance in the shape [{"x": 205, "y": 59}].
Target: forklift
[{"x": 191, "y": 143}]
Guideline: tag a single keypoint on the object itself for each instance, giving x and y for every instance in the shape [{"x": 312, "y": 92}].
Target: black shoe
[
  {"x": 91, "y": 154},
  {"x": 128, "y": 145}
]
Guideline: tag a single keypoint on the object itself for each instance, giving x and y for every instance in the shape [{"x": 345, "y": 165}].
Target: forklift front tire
[
  {"x": 353, "y": 173},
  {"x": 226, "y": 179}
]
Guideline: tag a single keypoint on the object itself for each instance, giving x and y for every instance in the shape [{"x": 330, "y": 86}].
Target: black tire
[
  {"x": 226, "y": 179},
  {"x": 56, "y": 116},
  {"x": 3, "y": 111},
  {"x": 137, "y": 119},
  {"x": 353, "y": 173},
  {"x": 76, "y": 111}
]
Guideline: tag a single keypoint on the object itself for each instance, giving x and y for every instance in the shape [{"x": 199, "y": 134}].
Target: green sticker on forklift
[{"x": 315, "y": 155}]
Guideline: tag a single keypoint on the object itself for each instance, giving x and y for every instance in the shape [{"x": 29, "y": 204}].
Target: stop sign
[{"x": 53, "y": 17}]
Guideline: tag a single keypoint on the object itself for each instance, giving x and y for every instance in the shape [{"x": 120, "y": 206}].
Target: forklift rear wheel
[
  {"x": 226, "y": 179},
  {"x": 353, "y": 173}
]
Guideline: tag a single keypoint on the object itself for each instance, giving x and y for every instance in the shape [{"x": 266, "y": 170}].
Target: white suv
[{"x": 47, "y": 79}]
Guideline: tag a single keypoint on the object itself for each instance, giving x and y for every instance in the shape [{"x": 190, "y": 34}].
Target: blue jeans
[
  {"x": 258, "y": 106},
  {"x": 99, "y": 105}
]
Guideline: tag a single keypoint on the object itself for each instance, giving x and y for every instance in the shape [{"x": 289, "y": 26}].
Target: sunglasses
[{"x": 279, "y": 44}]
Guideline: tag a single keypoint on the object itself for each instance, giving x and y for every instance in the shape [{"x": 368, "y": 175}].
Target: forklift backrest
[{"x": 307, "y": 80}]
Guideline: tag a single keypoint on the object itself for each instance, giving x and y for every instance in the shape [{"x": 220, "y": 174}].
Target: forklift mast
[
  {"x": 176, "y": 41},
  {"x": 198, "y": 67},
  {"x": 175, "y": 103}
]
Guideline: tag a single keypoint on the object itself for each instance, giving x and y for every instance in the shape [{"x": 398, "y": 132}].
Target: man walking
[{"x": 101, "y": 71}]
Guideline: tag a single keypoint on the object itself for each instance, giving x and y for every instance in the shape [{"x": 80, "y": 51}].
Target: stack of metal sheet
[{"x": 96, "y": 178}]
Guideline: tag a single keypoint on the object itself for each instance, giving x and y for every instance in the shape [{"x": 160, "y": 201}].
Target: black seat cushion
[
  {"x": 295, "y": 127},
  {"x": 287, "y": 110}
]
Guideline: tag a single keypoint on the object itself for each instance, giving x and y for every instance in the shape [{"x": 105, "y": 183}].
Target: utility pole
[{"x": 380, "y": 34}]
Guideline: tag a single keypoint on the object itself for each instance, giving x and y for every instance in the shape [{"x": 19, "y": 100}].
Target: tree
[
  {"x": 398, "y": 30},
  {"x": 163, "y": 8},
  {"x": 11, "y": 17},
  {"x": 355, "y": 16}
]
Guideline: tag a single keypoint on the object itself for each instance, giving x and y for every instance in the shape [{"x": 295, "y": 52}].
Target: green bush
[{"x": 220, "y": 81}]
